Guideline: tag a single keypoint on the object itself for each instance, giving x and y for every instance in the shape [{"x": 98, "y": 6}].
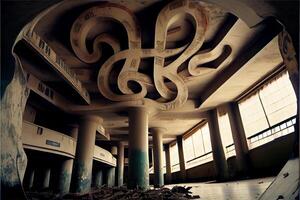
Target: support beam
[
  {"x": 81, "y": 178},
  {"x": 168, "y": 164},
  {"x": 239, "y": 138},
  {"x": 216, "y": 144},
  {"x": 138, "y": 166},
  {"x": 157, "y": 134},
  {"x": 181, "y": 158},
  {"x": 120, "y": 164}
]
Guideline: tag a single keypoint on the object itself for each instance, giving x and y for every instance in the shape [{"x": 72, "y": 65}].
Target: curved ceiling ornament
[{"x": 170, "y": 99}]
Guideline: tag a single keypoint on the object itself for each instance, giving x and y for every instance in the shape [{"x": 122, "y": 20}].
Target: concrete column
[
  {"x": 82, "y": 175},
  {"x": 29, "y": 177},
  {"x": 64, "y": 177},
  {"x": 114, "y": 151},
  {"x": 74, "y": 131},
  {"x": 111, "y": 173},
  {"x": 42, "y": 178},
  {"x": 98, "y": 180},
  {"x": 168, "y": 164},
  {"x": 66, "y": 167},
  {"x": 216, "y": 144},
  {"x": 239, "y": 138},
  {"x": 138, "y": 166},
  {"x": 111, "y": 176},
  {"x": 157, "y": 134},
  {"x": 46, "y": 180},
  {"x": 181, "y": 158},
  {"x": 54, "y": 177},
  {"x": 120, "y": 164}
]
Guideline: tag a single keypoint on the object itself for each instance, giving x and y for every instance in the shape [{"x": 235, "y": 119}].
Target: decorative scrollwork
[{"x": 133, "y": 55}]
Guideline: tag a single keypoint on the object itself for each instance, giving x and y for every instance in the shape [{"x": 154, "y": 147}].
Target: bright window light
[
  {"x": 273, "y": 107},
  {"x": 226, "y": 135},
  {"x": 197, "y": 147}
]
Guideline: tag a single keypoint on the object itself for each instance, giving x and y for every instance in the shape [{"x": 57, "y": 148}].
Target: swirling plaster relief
[{"x": 162, "y": 71}]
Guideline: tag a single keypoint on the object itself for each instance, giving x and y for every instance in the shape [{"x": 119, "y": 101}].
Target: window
[
  {"x": 197, "y": 147},
  {"x": 226, "y": 135},
  {"x": 174, "y": 157},
  {"x": 253, "y": 116},
  {"x": 269, "y": 113},
  {"x": 164, "y": 162},
  {"x": 279, "y": 99}
]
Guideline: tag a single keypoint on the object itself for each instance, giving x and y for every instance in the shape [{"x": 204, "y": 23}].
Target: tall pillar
[
  {"x": 65, "y": 174},
  {"x": 111, "y": 176},
  {"x": 73, "y": 131},
  {"x": 82, "y": 175},
  {"x": 120, "y": 164},
  {"x": 157, "y": 134},
  {"x": 42, "y": 178},
  {"x": 138, "y": 160},
  {"x": 114, "y": 150},
  {"x": 290, "y": 57},
  {"x": 98, "y": 180},
  {"x": 168, "y": 164},
  {"x": 112, "y": 172},
  {"x": 181, "y": 158},
  {"x": 46, "y": 178},
  {"x": 29, "y": 177},
  {"x": 239, "y": 138},
  {"x": 216, "y": 144},
  {"x": 66, "y": 167}
]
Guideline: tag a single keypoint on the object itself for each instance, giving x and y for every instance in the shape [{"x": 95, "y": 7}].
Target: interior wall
[
  {"x": 271, "y": 157},
  {"x": 267, "y": 160}
]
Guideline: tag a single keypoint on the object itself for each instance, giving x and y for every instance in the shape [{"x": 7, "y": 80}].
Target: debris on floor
[
  {"x": 116, "y": 193},
  {"x": 122, "y": 193}
]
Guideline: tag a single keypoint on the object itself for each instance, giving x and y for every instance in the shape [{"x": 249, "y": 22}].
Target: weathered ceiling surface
[{"x": 177, "y": 58}]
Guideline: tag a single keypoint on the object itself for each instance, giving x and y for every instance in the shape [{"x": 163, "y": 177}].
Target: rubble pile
[{"x": 122, "y": 193}]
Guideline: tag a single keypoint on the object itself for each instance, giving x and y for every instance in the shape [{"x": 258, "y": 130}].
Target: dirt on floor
[{"x": 121, "y": 193}]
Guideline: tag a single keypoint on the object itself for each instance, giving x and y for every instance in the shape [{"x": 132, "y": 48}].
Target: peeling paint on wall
[
  {"x": 13, "y": 157},
  {"x": 138, "y": 169}
]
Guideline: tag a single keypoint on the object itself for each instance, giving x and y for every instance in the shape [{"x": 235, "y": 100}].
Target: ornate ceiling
[{"x": 177, "y": 58}]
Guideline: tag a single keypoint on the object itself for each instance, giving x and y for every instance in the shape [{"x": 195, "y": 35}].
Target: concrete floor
[{"x": 236, "y": 190}]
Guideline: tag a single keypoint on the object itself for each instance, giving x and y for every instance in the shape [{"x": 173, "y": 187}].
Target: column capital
[
  {"x": 179, "y": 137},
  {"x": 114, "y": 150},
  {"x": 166, "y": 146},
  {"x": 93, "y": 118},
  {"x": 72, "y": 125},
  {"x": 158, "y": 130},
  {"x": 139, "y": 109}
]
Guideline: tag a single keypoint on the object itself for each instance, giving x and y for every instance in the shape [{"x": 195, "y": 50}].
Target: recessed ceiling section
[{"x": 266, "y": 61}]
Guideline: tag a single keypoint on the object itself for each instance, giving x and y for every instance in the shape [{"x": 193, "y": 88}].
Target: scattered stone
[
  {"x": 280, "y": 197},
  {"x": 122, "y": 193},
  {"x": 285, "y": 175}
]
